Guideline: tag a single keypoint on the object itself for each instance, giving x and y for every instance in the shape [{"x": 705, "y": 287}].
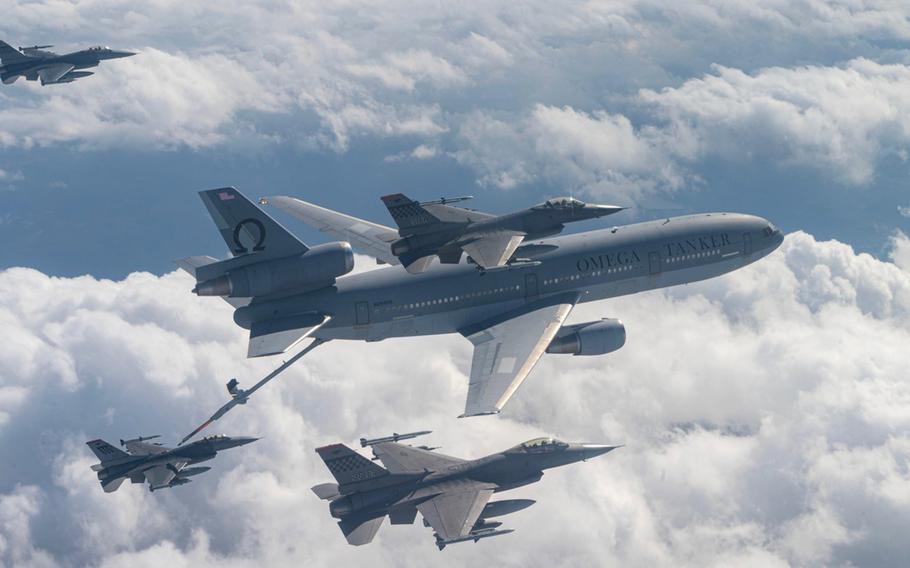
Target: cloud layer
[
  {"x": 763, "y": 413},
  {"x": 615, "y": 98}
]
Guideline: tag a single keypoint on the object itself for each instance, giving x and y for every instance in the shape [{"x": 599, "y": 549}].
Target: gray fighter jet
[
  {"x": 35, "y": 63},
  {"x": 436, "y": 229},
  {"x": 284, "y": 291},
  {"x": 160, "y": 466},
  {"x": 450, "y": 493}
]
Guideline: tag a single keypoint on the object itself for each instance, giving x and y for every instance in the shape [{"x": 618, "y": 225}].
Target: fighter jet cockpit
[
  {"x": 540, "y": 446},
  {"x": 561, "y": 203},
  {"x": 214, "y": 437},
  {"x": 99, "y": 48}
]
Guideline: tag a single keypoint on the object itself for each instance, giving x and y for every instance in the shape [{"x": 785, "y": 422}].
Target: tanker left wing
[
  {"x": 371, "y": 238},
  {"x": 507, "y": 347}
]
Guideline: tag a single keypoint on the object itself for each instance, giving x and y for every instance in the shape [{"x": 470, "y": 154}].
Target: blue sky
[{"x": 772, "y": 429}]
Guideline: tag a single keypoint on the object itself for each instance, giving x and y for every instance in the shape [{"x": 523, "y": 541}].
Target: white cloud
[
  {"x": 336, "y": 72},
  {"x": 843, "y": 119},
  {"x": 594, "y": 153},
  {"x": 763, "y": 415}
]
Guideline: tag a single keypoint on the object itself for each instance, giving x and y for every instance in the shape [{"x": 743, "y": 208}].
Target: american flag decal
[{"x": 225, "y": 195}]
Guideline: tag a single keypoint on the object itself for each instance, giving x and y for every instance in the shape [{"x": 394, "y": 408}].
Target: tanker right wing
[
  {"x": 371, "y": 238},
  {"x": 507, "y": 347}
]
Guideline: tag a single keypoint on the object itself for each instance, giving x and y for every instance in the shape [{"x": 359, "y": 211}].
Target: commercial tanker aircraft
[{"x": 285, "y": 291}]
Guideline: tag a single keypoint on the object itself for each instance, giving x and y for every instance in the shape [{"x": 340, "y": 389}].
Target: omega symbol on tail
[{"x": 259, "y": 240}]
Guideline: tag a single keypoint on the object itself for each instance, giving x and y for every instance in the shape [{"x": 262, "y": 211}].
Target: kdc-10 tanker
[{"x": 285, "y": 291}]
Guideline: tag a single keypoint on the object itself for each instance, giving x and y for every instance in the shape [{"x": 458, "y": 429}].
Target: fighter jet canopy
[
  {"x": 540, "y": 445},
  {"x": 561, "y": 203},
  {"x": 99, "y": 48}
]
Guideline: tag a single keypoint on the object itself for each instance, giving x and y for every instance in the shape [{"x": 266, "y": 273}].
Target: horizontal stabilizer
[
  {"x": 365, "y": 236},
  {"x": 326, "y": 491},
  {"x": 271, "y": 337},
  {"x": 359, "y": 530},
  {"x": 113, "y": 484}
]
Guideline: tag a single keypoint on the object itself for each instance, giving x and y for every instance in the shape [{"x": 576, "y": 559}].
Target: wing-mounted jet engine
[{"x": 589, "y": 338}]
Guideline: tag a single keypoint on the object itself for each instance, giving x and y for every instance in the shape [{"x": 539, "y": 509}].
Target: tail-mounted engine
[{"x": 316, "y": 268}]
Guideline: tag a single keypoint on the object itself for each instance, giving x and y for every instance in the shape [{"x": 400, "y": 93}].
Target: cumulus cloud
[
  {"x": 595, "y": 152},
  {"x": 763, "y": 415},
  {"x": 843, "y": 119},
  {"x": 467, "y": 81}
]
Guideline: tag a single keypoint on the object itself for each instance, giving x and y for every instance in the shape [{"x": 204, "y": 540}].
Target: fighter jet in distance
[
  {"x": 436, "y": 229},
  {"x": 451, "y": 494},
  {"x": 158, "y": 465},
  {"x": 284, "y": 291},
  {"x": 34, "y": 63}
]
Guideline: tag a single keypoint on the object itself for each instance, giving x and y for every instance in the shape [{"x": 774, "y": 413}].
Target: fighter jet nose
[
  {"x": 594, "y": 450},
  {"x": 119, "y": 54}
]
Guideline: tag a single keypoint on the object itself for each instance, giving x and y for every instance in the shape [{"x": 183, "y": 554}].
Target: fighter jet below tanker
[{"x": 451, "y": 494}]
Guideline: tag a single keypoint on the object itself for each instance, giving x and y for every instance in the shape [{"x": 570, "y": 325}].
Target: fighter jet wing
[
  {"x": 370, "y": 238},
  {"x": 138, "y": 448},
  {"x": 399, "y": 458},
  {"x": 454, "y": 512},
  {"x": 160, "y": 475},
  {"x": 53, "y": 73},
  {"x": 507, "y": 347},
  {"x": 494, "y": 249}
]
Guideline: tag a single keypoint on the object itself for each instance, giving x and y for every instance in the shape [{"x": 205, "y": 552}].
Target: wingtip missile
[
  {"x": 473, "y": 536},
  {"x": 138, "y": 439},
  {"x": 395, "y": 437},
  {"x": 447, "y": 200}
]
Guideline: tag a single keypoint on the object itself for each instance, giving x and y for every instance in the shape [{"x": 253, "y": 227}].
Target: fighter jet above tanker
[
  {"x": 51, "y": 68},
  {"x": 285, "y": 291},
  {"x": 437, "y": 230},
  {"x": 451, "y": 494},
  {"x": 160, "y": 466}
]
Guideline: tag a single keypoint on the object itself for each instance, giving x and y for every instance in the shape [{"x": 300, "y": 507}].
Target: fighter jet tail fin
[
  {"x": 347, "y": 466},
  {"x": 106, "y": 452},
  {"x": 407, "y": 213},
  {"x": 9, "y": 54}
]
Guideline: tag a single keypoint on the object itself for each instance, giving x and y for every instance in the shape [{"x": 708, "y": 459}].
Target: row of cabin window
[
  {"x": 694, "y": 255},
  {"x": 450, "y": 299},
  {"x": 594, "y": 273}
]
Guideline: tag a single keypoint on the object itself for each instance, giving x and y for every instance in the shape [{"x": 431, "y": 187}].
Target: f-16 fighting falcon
[
  {"x": 161, "y": 467},
  {"x": 437, "y": 230},
  {"x": 450, "y": 493},
  {"x": 35, "y": 63},
  {"x": 285, "y": 291}
]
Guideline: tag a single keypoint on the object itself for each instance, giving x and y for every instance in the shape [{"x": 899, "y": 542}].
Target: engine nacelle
[
  {"x": 590, "y": 338},
  {"x": 315, "y": 268}
]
